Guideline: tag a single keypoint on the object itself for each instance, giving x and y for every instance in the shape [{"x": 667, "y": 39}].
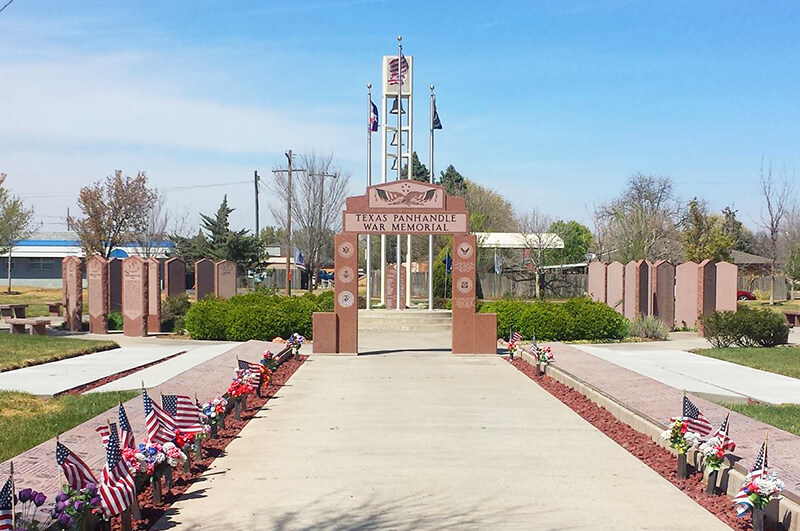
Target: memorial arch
[{"x": 405, "y": 207}]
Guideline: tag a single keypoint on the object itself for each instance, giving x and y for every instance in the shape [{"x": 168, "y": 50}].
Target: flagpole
[
  {"x": 400, "y": 80},
  {"x": 13, "y": 499},
  {"x": 430, "y": 236},
  {"x": 369, "y": 183}
]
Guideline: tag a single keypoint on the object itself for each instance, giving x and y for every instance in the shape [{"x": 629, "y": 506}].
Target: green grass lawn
[
  {"x": 27, "y": 420},
  {"x": 785, "y": 417},
  {"x": 22, "y": 350},
  {"x": 780, "y": 360},
  {"x": 778, "y": 307}
]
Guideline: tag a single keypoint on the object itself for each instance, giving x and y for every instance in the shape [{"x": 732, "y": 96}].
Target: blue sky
[{"x": 553, "y": 104}]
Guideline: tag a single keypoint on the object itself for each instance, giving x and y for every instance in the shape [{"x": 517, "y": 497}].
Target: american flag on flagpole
[
  {"x": 184, "y": 411},
  {"x": 515, "y": 336},
  {"x": 77, "y": 472},
  {"x": 758, "y": 469},
  {"x": 395, "y": 77},
  {"x": 126, "y": 432},
  {"x": 160, "y": 426},
  {"x": 118, "y": 489},
  {"x": 694, "y": 418},
  {"x": 105, "y": 431},
  {"x": 6, "y": 507},
  {"x": 722, "y": 435}
]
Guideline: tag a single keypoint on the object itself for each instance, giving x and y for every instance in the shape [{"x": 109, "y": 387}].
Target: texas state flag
[{"x": 373, "y": 118}]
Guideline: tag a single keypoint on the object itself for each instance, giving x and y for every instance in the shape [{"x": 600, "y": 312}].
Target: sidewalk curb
[{"x": 786, "y": 512}]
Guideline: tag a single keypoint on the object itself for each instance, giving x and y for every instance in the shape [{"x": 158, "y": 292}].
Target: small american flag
[
  {"x": 126, "y": 432},
  {"x": 184, "y": 411},
  {"x": 78, "y": 474},
  {"x": 758, "y": 469},
  {"x": 105, "y": 431},
  {"x": 255, "y": 368},
  {"x": 515, "y": 336},
  {"x": 160, "y": 426},
  {"x": 6, "y": 507},
  {"x": 722, "y": 434},
  {"x": 695, "y": 418},
  {"x": 395, "y": 77},
  {"x": 118, "y": 489}
]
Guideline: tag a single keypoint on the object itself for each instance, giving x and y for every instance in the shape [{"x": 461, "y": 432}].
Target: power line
[
  {"x": 5, "y": 6},
  {"x": 170, "y": 189}
]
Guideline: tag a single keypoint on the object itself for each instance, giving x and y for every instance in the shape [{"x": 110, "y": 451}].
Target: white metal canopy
[{"x": 519, "y": 240}]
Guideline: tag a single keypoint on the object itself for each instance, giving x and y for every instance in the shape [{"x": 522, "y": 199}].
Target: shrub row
[
  {"x": 747, "y": 327},
  {"x": 255, "y": 316},
  {"x": 577, "y": 319}
]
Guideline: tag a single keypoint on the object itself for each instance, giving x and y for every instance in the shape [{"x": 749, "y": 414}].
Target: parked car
[{"x": 745, "y": 296}]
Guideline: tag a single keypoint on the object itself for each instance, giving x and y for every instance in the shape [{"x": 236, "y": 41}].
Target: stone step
[{"x": 405, "y": 320}]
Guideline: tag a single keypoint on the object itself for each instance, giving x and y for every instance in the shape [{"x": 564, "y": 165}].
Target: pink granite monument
[
  {"x": 391, "y": 286},
  {"x": 134, "y": 296},
  {"x": 72, "y": 292},
  {"x": 97, "y": 288},
  {"x": 686, "y": 295},
  {"x": 597, "y": 282},
  {"x": 637, "y": 289},
  {"x": 115, "y": 285},
  {"x": 663, "y": 292},
  {"x": 175, "y": 277},
  {"x": 153, "y": 295},
  {"x": 706, "y": 288},
  {"x": 727, "y": 276},
  {"x": 615, "y": 286},
  {"x": 203, "y": 278},
  {"x": 225, "y": 279}
]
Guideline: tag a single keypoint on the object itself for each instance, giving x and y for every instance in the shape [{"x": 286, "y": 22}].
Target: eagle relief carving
[{"x": 406, "y": 194}]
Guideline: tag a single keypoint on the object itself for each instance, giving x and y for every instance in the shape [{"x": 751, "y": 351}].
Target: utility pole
[
  {"x": 255, "y": 184},
  {"x": 316, "y": 258},
  {"x": 289, "y": 248}
]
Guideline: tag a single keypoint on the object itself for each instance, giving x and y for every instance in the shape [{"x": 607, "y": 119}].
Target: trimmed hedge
[
  {"x": 577, "y": 319},
  {"x": 746, "y": 327},
  {"x": 255, "y": 316}
]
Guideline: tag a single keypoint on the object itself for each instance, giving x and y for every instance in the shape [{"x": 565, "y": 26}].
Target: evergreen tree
[
  {"x": 577, "y": 241},
  {"x": 418, "y": 170},
  {"x": 453, "y": 182},
  {"x": 704, "y": 236}
]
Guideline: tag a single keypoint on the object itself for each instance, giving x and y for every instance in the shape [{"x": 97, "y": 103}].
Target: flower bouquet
[
  {"x": 679, "y": 436},
  {"x": 151, "y": 461},
  {"x": 29, "y": 502},
  {"x": 269, "y": 363},
  {"x": 244, "y": 383},
  {"x": 295, "y": 341},
  {"x": 212, "y": 413},
  {"x": 713, "y": 451},
  {"x": 77, "y": 509},
  {"x": 761, "y": 488},
  {"x": 542, "y": 354}
]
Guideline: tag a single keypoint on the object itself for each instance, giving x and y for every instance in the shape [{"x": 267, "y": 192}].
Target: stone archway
[{"x": 405, "y": 207}]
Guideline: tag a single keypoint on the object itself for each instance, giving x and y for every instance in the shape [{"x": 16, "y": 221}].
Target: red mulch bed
[
  {"x": 212, "y": 448},
  {"x": 641, "y": 446}
]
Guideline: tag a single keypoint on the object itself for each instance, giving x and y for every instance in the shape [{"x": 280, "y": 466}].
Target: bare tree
[
  {"x": 534, "y": 226},
  {"x": 155, "y": 234},
  {"x": 16, "y": 223},
  {"x": 115, "y": 212},
  {"x": 318, "y": 196},
  {"x": 777, "y": 197},
  {"x": 643, "y": 223}
]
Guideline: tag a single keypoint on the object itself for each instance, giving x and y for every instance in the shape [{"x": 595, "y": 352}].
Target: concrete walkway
[
  {"x": 664, "y": 361},
  {"x": 426, "y": 441},
  {"x": 58, "y": 376}
]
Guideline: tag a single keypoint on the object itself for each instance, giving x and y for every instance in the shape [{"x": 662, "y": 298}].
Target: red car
[{"x": 745, "y": 296}]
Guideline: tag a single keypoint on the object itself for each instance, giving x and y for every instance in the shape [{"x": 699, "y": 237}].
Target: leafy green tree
[
  {"x": 453, "y": 182},
  {"x": 16, "y": 223},
  {"x": 743, "y": 239},
  {"x": 577, "y": 241},
  {"x": 272, "y": 235},
  {"x": 793, "y": 265},
  {"x": 704, "y": 236},
  {"x": 418, "y": 170}
]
